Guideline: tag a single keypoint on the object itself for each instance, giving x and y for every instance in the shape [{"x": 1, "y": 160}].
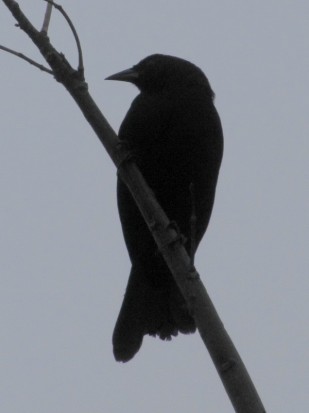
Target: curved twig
[
  {"x": 69, "y": 21},
  {"x": 27, "y": 59}
]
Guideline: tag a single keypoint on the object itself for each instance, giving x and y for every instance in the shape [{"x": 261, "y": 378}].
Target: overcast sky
[{"x": 64, "y": 266}]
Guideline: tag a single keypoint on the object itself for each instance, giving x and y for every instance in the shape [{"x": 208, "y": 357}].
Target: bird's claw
[{"x": 179, "y": 236}]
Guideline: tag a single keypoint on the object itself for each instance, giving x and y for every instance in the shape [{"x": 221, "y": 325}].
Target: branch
[
  {"x": 227, "y": 361},
  {"x": 27, "y": 59}
]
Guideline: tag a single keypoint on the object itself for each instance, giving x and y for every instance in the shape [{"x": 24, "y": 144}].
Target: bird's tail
[{"x": 152, "y": 305}]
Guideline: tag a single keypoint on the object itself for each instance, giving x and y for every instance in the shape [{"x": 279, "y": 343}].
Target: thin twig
[
  {"x": 69, "y": 21},
  {"x": 47, "y": 17},
  {"x": 27, "y": 59}
]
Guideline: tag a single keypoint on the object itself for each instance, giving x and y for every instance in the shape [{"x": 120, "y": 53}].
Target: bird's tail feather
[{"x": 149, "y": 307}]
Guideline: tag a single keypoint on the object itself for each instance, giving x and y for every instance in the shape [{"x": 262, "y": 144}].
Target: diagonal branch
[{"x": 228, "y": 363}]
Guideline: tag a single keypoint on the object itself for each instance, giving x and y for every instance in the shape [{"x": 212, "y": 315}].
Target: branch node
[
  {"x": 123, "y": 154},
  {"x": 227, "y": 365}
]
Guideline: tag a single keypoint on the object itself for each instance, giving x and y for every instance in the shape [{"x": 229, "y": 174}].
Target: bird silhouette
[{"x": 175, "y": 132}]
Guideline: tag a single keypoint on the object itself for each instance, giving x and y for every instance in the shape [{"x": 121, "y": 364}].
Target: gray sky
[{"x": 64, "y": 266}]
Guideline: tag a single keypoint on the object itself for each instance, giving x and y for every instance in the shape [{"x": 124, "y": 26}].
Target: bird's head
[{"x": 159, "y": 72}]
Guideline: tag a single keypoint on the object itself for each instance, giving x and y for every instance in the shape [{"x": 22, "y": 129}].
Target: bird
[{"x": 174, "y": 131}]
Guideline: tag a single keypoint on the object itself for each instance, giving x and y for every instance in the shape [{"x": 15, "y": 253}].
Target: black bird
[{"x": 175, "y": 133}]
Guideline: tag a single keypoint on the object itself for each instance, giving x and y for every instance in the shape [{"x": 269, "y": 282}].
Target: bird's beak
[{"x": 128, "y": 75}]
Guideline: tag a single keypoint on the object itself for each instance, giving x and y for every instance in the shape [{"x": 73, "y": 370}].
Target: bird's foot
[{"x": 179, "y": 237}]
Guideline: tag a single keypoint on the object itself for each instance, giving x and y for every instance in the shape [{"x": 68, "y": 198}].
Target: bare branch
[
  {"x": 47, "y": 18},
  {"x": 62, "y": 70},
  {"x": 27, "y": 59},
  {"x": 69, "y": 21}
]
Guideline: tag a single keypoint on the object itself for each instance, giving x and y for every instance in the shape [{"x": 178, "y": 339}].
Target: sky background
[{"x": 64, "y": 266}]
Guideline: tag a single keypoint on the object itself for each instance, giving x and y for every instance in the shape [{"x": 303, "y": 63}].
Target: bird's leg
[{"x": 192, "y": 224}]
